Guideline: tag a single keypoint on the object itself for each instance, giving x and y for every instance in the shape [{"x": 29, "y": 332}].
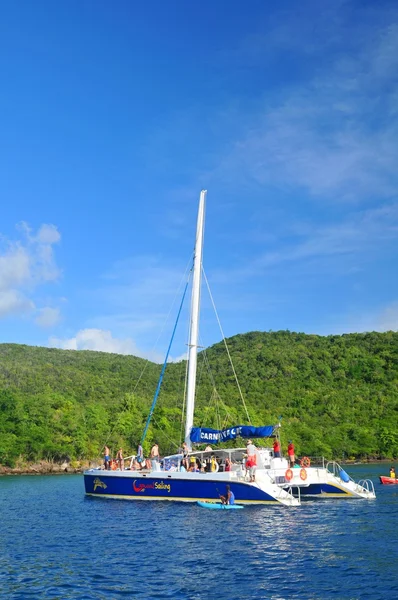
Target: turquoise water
[{"x": 56, "y": 543}]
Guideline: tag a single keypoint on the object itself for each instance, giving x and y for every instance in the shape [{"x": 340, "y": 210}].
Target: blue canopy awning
[{"x": 205, "y": 435}]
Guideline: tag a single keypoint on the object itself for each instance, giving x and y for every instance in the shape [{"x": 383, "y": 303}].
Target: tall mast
[{"x": 194, "y": 328}]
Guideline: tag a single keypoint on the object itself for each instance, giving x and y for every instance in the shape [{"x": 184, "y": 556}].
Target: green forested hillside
[{"x": 337, "y": 395}]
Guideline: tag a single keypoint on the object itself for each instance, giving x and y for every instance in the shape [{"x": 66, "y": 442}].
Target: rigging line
[
  {"x": 206, "y": 364},
  {"x": 215, "y": 393},
  {"x": 163, "y": 368},
  {"x": 183, "y": 278},
  {"x": 203, "y": 365},
  {"x": 181, "y": 384},
  {"x": 147, "y": 362},
  {"x": 217, "y": 412},
  {"x": 226, "y": 346},
  {"x": 185, "y": 385},
  {"x": 208, "y": 410},
  {"x": 164, "y": 434},
  {"x": 186, "y": 379}
]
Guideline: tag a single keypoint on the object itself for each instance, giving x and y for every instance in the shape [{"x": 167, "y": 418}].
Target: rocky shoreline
[{"x": 48, "y": 468}]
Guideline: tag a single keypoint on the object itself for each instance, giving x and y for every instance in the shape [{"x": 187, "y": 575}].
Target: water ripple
[{"x": 57, "y": 544}]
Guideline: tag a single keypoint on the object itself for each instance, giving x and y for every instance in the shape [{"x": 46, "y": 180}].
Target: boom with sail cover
[{"x": 203, "y": 434}]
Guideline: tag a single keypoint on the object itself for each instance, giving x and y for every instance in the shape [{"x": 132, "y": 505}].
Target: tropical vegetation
[{"x": 337, "y": 396}]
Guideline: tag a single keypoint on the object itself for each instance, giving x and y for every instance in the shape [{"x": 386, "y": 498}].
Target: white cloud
[
  {"x": 359, "y": 235},
  {"x": 334, "y": 134},
  {"x": 15, "y": 266},
  {"x": 25, "y": 265},
  {"x": 48, "y": 317},
  {"x": 48, "y": 234},
  {"x": 141, "y": 293},
  {"x": 101, "y": 340},
  {"x": 12, "y": 302},
  {"x": 385, "y": 318},
  {"x": 95, "y": 339},
  {"x": 179, "y": 358}
]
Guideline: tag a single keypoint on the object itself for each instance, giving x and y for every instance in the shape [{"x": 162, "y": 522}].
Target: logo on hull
[
  {"x": 140, "y": 486},
  {"x": 99, "y": 483}
]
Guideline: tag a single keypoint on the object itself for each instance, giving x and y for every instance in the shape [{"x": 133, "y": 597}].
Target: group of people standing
[
  {"x": 190, "y": 464},
  {"x": 111, "y": 464},
  {"x": 290, "y": 451}
]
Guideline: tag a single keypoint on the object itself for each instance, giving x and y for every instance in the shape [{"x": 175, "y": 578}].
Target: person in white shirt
[
  {"x": 154, "y": 456},
  {"x": 251, "y": 460}
]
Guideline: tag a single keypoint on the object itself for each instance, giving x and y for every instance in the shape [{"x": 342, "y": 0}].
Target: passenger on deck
[
  {"x": 120, "y": 459},
  {"x": 208, "y": 449},
  {"x": 227, "y": 466},
  {"x": 140, "y": 455},
  {"x": 251, "y": 461},
  {"x": 154, "y": 456},
  {"x": 106, "y": 458},
  {"x": 229, "y": 497},
  {"x": 277, "y": 448},
  {"x": 290, "y": 452},
  {"x": 185, "y": 454}
]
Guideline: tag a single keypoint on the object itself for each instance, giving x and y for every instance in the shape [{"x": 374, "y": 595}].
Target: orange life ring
[
  {"x": 305, "y": 462},
  {"x": 289, "y": 475},
  {"x": 303, "y": 474}
]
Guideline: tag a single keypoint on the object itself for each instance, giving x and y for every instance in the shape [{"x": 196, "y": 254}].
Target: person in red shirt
[
  {"x": 251, "y": 460},
  {"x": 290, "y": 452},
  {"x": 277, "y": 448}
]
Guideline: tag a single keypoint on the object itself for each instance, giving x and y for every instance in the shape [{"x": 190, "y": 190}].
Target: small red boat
[{"x": 387, "y": 480}]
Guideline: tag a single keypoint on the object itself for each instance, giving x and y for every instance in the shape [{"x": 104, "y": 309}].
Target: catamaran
[
  {"x": 275, "y": 481},
  {"x": 168, "y": 482}
]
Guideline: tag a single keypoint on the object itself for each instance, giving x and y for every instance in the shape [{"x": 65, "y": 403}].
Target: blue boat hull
[
  {"x": 164, "y": 487},
  {"x": 217, "y": 506},
  {"x": 322, "y": 490}
]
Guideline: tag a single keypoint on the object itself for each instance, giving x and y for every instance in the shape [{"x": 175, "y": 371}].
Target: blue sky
[{"x": 114, "y": 116}]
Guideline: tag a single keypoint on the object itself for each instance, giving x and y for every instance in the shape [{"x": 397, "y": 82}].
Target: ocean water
[{"x": 56, "y": 543}]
